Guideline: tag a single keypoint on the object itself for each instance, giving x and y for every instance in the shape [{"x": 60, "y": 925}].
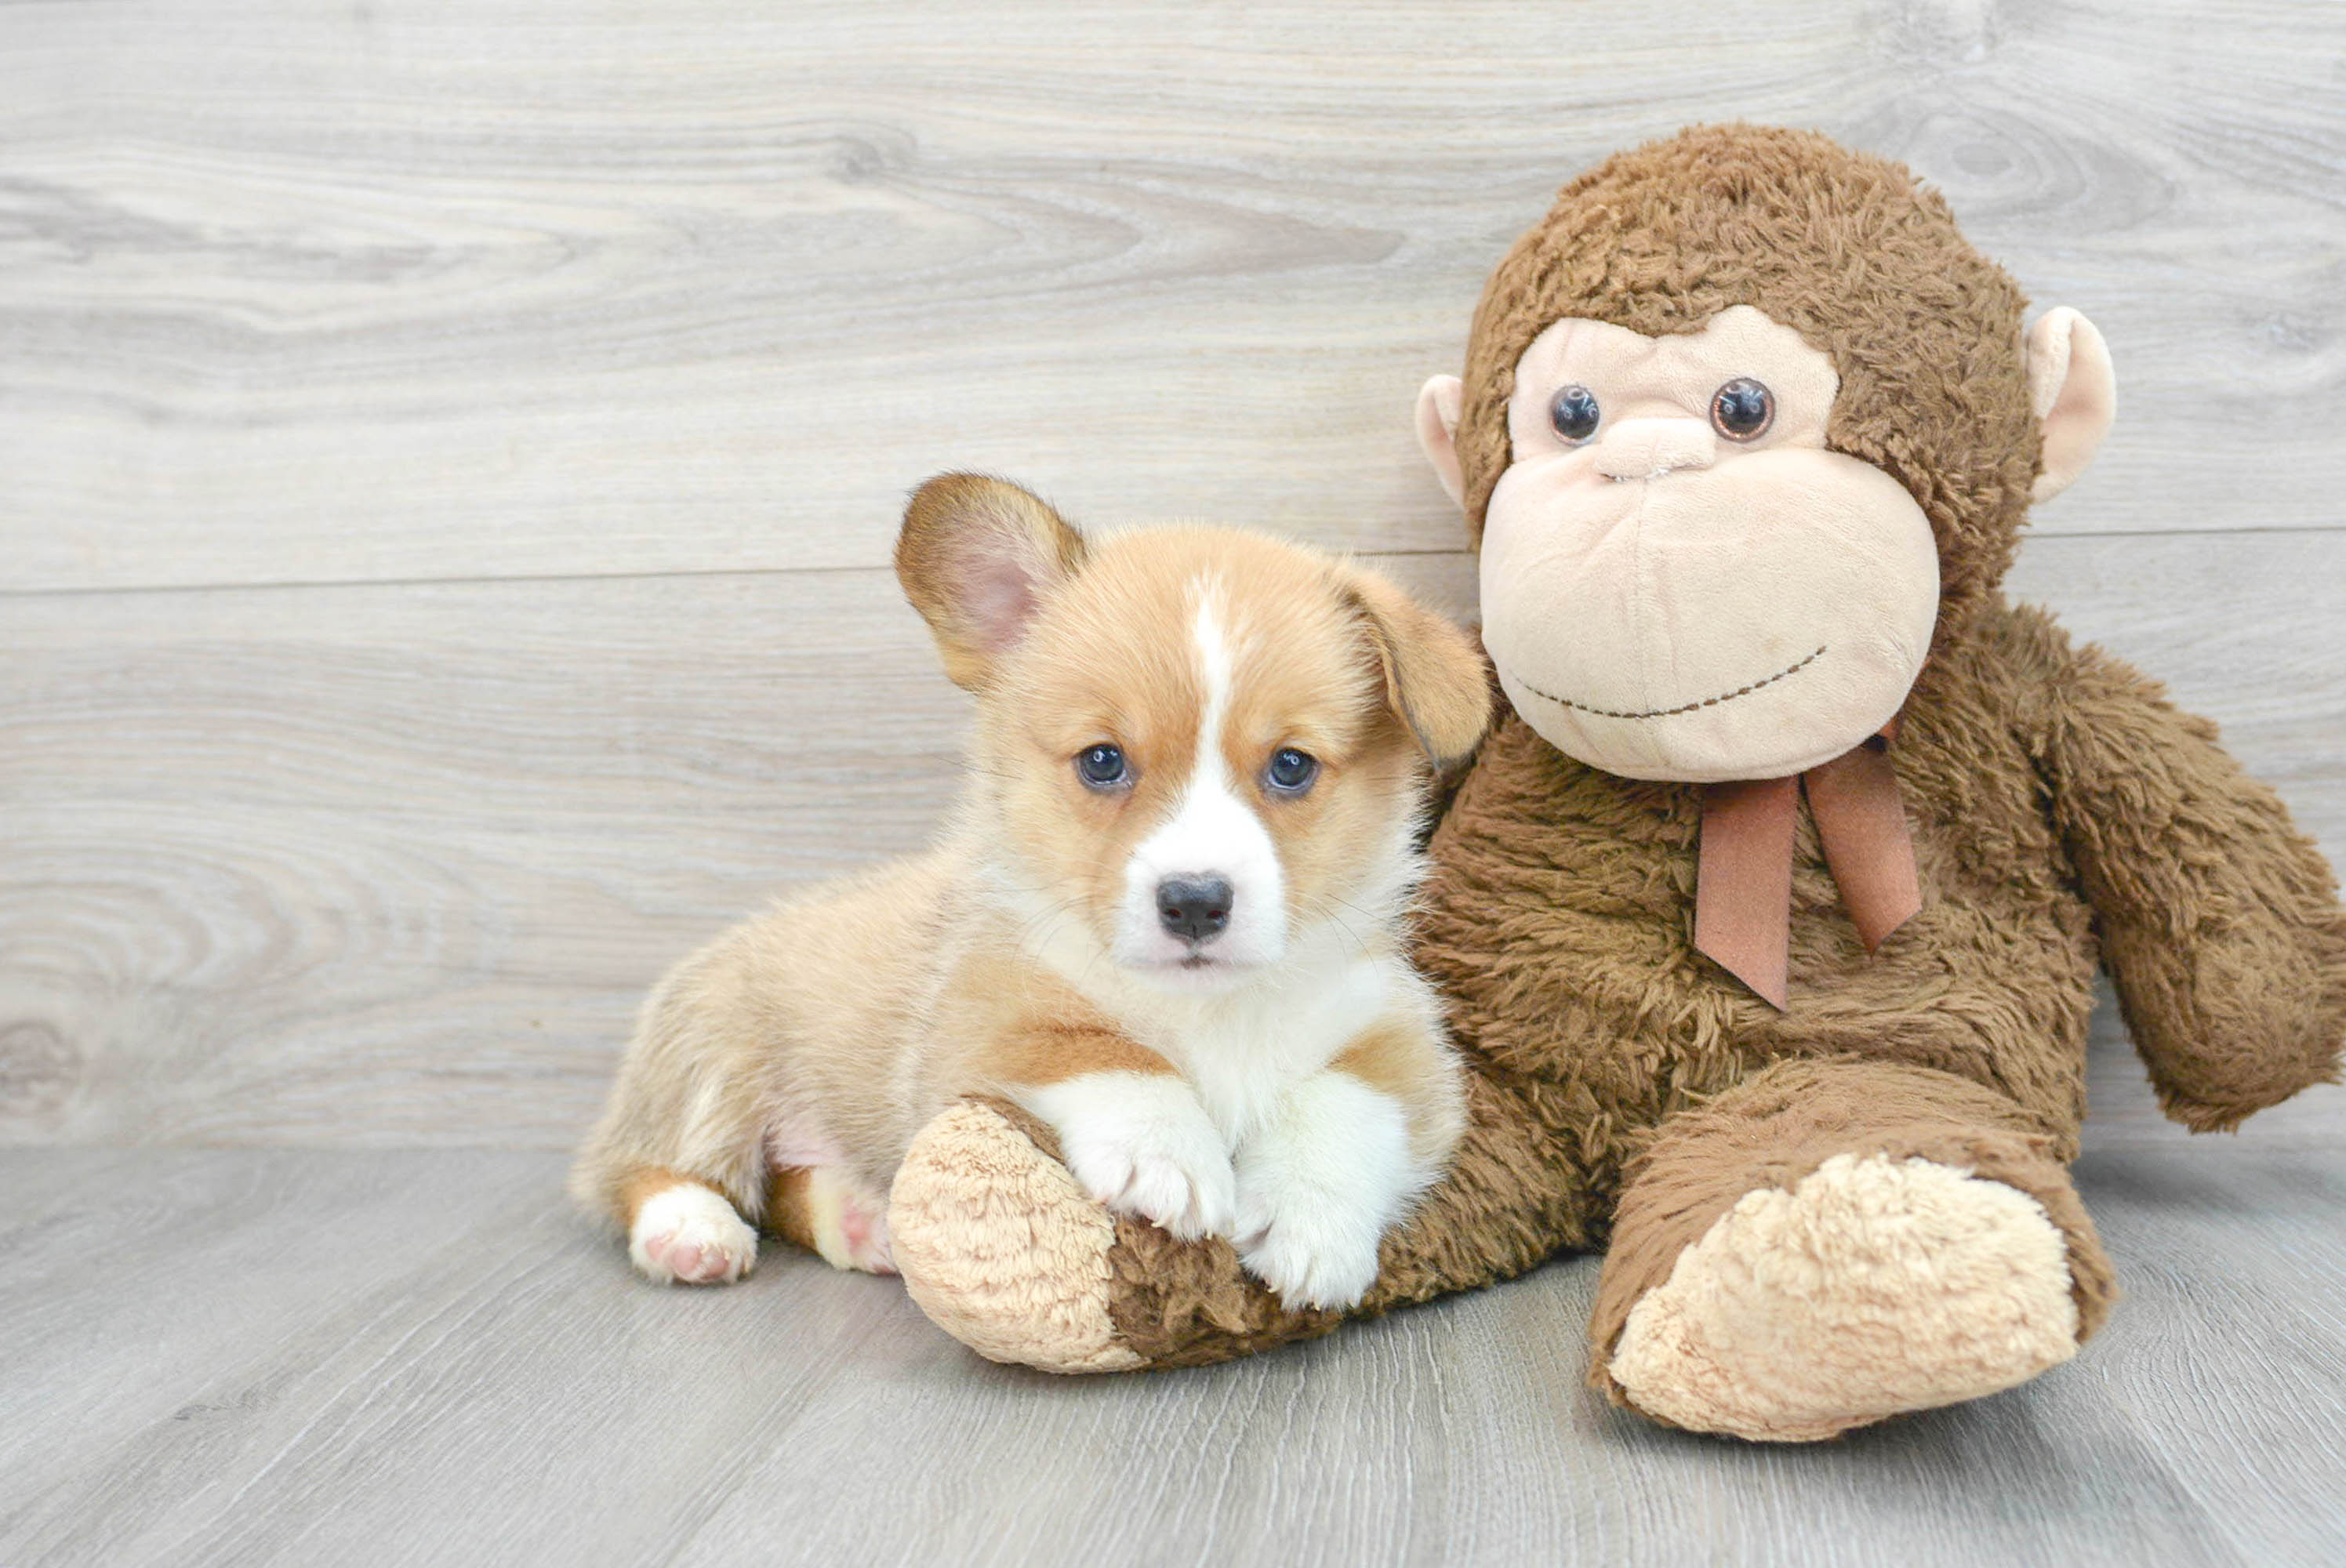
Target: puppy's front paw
[
  {"x": 1315, "y": 1248},
  {"x": 1142, "y": 1143},
  {"x": 690, "y": 1235},
  {"x": 1317, "y": 1188}
]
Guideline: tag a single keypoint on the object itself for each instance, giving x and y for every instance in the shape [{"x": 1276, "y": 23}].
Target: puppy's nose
[
  {"x": 1649, "y": 448},
  {"x": 1195, "y": 909}
]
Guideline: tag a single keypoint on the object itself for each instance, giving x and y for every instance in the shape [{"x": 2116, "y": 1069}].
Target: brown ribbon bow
[{"x": 1743, "y": 881}]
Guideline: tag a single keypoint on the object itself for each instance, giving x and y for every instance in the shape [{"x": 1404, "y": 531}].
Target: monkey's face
[{"x": 1678, "y": 580}]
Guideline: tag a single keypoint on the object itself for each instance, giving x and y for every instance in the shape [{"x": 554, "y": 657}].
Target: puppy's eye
[
  {"x": 1292, "y": 771},
  {"x": 1102, "y": 767},
  {"x": 1742, "y": 410},
  {"x": 1574, "y": 413}
]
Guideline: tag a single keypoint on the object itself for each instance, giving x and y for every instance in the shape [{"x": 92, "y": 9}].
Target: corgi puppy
[{"x": 1166, "y": 919}]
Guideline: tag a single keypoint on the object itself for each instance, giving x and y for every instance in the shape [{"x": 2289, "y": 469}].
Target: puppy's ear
[
  {"x": 1435, "y": 678},
  {"x": 976, "y": 557}
]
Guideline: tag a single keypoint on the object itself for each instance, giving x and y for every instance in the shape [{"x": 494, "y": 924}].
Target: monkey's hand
[{"x": 2219, "y": 920}]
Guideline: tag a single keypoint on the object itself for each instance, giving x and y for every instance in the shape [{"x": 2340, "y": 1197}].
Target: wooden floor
[
  {"x": 451, "y": 456},
  {"x": 303, "y": 1357}
]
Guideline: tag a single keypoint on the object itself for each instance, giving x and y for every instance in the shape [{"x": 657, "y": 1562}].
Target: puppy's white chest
[{"x": 1244, "y": 1052}]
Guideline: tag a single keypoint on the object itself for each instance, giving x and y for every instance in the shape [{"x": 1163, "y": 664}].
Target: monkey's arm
[{"x": 2219, "y": 921}]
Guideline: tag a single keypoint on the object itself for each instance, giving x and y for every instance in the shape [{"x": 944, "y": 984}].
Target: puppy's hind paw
[
  {"x": 689, "y": 1235},
  {"x": 846, "y": 1226}
]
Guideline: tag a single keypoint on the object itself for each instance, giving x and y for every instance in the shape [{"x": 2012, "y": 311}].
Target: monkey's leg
[
  {"x": 1832, "y": 1242},
  {"x": 1003, "y": 1251}
]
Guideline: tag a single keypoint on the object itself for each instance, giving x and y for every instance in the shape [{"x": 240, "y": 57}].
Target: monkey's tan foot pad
[
  {"x": 1872, "y": 1288},
  {"x": 1001, "y": 1249}
]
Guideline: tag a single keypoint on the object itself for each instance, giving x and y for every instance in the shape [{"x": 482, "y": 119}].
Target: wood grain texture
[
  {"x": 405, "y": 291},
  {"x": 324, "y": 865},
  {"x": 393, "y": 865},
  {"x": 451, "y": 453},
  {"x": 262, "y": 1357}
]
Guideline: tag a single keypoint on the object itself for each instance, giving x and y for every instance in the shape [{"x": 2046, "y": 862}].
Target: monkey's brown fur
[{"x": 1626, "y": 1089}]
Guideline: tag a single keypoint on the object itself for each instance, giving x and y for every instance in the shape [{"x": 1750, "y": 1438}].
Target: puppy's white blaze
[
  {"x": 1318, "y": 1187},
  {"x": 688, "y": 1215},
  {"x": 1213, "y": 832},
  {"x": 1213, "y": 657}
]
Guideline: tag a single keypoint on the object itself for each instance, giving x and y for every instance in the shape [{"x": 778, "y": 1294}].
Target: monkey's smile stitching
[{"x": 1682, "y": 708}]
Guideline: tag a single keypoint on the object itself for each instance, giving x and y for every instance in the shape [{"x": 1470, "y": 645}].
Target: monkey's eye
[
  {"x": 1574, "y": 413},
  {"x": 1292, "y": 771},
  {"x": 1102, "y": 767},
  {"x": 1742, "y": 410}
]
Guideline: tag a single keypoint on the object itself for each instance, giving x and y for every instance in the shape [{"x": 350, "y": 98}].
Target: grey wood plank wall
[{"x": 452, "y": 451}]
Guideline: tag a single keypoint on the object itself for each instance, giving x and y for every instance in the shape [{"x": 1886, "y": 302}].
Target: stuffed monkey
[{"x": 1769, "y": 915}]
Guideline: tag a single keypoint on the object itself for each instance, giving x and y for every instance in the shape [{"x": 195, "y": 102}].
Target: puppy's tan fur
[{"x": 787, "y": 1065}]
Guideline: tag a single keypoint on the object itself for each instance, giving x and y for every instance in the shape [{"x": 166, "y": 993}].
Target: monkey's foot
[{"x": 1872, "y": 1288}]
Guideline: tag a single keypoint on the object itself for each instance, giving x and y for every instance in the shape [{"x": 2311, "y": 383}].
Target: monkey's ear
[
  {"x": 2074, "y": 394},
  {"x": 1438, "y": 403},
  {"x": 1435, "y": 678},
  {"x": 976, "y": 557}
]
